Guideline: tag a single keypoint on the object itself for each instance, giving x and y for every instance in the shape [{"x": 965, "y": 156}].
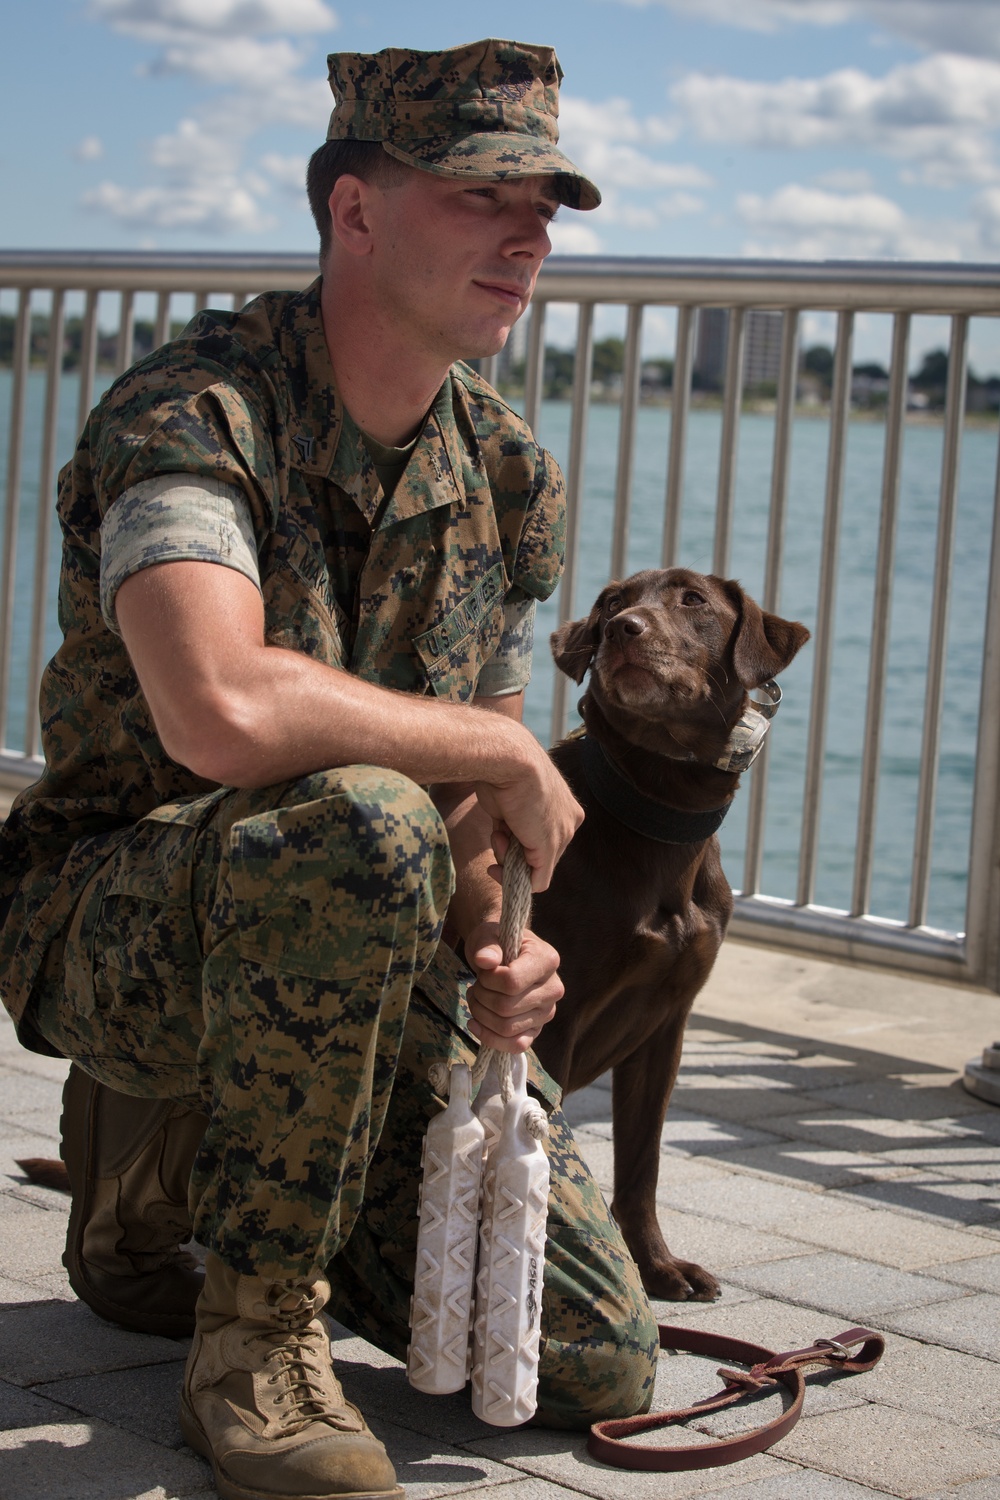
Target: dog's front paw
[{"x": 680, "y": 1281}]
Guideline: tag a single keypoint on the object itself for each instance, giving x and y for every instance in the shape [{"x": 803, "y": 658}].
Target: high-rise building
[{"x": 761, "y": 347}]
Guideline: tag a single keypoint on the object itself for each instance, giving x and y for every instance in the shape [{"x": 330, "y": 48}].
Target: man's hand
[
  {"x": 537, "y": 806},
  {"x": 511, "y": 1003}
]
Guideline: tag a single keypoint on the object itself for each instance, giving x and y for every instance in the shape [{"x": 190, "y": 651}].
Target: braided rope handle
[{"x": 515, "y": 909}]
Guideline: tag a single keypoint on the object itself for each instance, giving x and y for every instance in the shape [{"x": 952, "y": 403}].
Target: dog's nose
[{"x": 623, "y": 625}]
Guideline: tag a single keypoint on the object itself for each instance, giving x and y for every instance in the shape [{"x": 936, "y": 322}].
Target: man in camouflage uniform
[{"x": 283, "y": 748}]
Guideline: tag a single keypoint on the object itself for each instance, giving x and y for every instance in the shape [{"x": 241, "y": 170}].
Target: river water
[{"x": 859, "y": 537}]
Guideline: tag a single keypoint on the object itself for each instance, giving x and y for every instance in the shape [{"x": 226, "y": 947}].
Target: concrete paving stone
[
  {"x": 528, "y": 1489},
  {"x": 721, "y": 1247},
  {"x": 940, "y": 1197},
  {"x": 906, "y": 1243},
  {"x": 984, "y": 1125},
  {"x": 795, "y": 1483},
  {"x": 27, "y": 1096},
  {"x": 591, "y": 1103},
  {"x": 383, "y": 1391},
  {"x": 32, "y": 1238},
  {"x": 19, "y": 1060},
  {"x": 47, "y": 1341},
  {"x": 17, "y": 1293},
  {"x": 919, "y": 1376},
  {"x": 907, "y": 1456},
  {"x": 795, "y": 1162},
  {"x": 562, "y": 1457},
  {"x": 731, "y": 1100},
  {"x": 842, "y": 1284},
  {"x": 92, "y": 1461},
  {"x": 428, "y": 1466},
  {"x": 697, "y": 1135},
  {"x": 143, "y": 1401},
  {"x": 21, "y": 1408},
  {"x": 854, "y": 1130},
  {"x": 979, "y": 1489},
  {"x": 983, "y": 1273},
  {"x": 881, "y": 1096},
  {"x": 948, "y": 1152},
  {"x": 743, "y": 1199},
  {"x": 970, "y": 1323},
  {"x": 599, "y": 1156}
]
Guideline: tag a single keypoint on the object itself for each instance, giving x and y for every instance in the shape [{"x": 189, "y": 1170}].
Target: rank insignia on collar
[{"x": 305, "y": 445}]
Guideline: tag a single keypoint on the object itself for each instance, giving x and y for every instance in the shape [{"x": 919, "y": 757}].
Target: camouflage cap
[{"x": 484, "y": 110}]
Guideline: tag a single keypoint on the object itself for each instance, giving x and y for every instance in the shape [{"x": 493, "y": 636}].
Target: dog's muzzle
[{"x": 749, "y": 732}]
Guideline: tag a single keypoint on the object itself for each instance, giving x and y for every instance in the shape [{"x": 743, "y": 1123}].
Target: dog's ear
[
  {"x": 764, "y": 643},
  {"x": 573, "y": 644}
]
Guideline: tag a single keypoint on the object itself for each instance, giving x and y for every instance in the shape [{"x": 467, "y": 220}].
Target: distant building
[{"x": 761, "y": 347}]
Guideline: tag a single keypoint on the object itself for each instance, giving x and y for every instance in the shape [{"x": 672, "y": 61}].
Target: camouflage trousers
[{"x": 272, "y": 957}]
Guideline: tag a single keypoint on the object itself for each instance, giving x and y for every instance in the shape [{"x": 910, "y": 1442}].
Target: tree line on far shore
[{"x": 869, "y": 383}]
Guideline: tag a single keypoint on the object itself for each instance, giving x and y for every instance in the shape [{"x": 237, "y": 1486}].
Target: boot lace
[{"x": 299, "y": 1361}]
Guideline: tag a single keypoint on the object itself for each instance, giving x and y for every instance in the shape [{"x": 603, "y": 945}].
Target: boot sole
[
  {"x": 77, "y": 1156},
  {"x": 196, "y": 1439}
]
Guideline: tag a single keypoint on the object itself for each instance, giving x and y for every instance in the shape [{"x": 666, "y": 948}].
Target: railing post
[
  {"x": 954, "y": 418},
  {"x": 823, "y": 634},
  {"x": 878, "y": 660},
  {"x": 46, "y": 507},
  {"x": 628, "y": 414},
  {"x": 15, "y": 451},
  {"x": 574, "y": 494},
  {"x": 783, "y": 421},
  {"x": 680, "y": 406},
  {"x": 982, "y": 932}
]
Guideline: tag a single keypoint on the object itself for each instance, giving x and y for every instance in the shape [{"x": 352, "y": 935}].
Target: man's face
[{"x": 456, "y": 261}]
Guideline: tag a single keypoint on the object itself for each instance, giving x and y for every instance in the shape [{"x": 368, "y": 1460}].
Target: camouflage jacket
[{"x": 406, "y": 592}]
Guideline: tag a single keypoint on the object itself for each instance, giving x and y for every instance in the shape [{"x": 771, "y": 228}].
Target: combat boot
[
  {"x": 261, "y": 1401},
  {"x": 129, "y": 1162}
]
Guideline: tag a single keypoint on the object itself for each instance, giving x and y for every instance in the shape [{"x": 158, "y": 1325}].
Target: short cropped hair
[{"x": 364, "y": 159}]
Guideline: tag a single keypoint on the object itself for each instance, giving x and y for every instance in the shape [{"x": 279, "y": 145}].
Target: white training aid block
[
  {"x": 441, "y": 1307},
  {"x": 508, "y": 1316}
]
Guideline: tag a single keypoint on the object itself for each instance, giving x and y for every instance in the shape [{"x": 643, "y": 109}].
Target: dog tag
[
  {"x": 507, "y": 1323},
  {"x": 438, "y": 1358}
]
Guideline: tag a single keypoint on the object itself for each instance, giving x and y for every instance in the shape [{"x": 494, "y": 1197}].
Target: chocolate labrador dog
[{"x": 639, "y": 904}]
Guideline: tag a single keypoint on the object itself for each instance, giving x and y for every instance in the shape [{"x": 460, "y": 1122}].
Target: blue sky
[{"x": 807, "y": 128}]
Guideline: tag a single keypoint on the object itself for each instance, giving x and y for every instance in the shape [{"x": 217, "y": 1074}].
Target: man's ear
[
  {"x": 573, "y": 644},
  {"x": 350, "y": 219},
  {"x": 764, "y": 644}
]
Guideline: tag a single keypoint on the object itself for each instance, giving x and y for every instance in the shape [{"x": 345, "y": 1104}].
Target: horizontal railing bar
[
  {"x": 826, "y": 933},
  {"x": 888, "y": 286}
]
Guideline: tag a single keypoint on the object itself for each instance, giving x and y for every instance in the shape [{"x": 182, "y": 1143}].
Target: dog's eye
[
  {"x": 613, "y": 605},
  {"x": 692, "y": 596}
]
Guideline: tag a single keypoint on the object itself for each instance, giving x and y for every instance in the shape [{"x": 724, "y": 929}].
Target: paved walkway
[{"x": 821, "y": 1155}]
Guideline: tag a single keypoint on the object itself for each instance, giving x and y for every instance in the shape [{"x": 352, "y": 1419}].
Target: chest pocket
[
  {"x": 455, "y": 650},
  {"x": 300, "y": 609}
]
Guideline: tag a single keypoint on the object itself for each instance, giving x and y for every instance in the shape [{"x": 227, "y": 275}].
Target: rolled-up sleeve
[{"x": 174, "y": 518}]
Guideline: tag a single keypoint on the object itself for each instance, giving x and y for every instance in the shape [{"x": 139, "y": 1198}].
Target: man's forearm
[{"x": 477, "y": 894}]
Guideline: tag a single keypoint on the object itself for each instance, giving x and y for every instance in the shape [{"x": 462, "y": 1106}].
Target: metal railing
[{"x": 901, "y": 291}]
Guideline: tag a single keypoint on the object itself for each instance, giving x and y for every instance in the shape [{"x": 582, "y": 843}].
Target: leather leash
[{"x": 606, "y": 1440}]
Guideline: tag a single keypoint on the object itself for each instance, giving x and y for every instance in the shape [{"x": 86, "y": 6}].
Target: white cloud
[
  {"x": 289, "y": 172},
  {"x": 846, "y": 180},
  {"x": 611, "y": 145},
  {"x": 678, "y": 205},
  {"x": 241, "y": 53},
  {"x": 573, "y": 237},
  {"x": 217, "y": 207},
  {"x": 157, "y": 20},
  {"x": 91, "y": 148},
  {"x": 967, "y": 26},
  {"x": 808, "y": 223},
  {"x": 938, "y": 113}
]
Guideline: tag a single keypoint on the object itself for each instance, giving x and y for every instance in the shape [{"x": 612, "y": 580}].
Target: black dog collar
[{"x": 624, "y": 801}]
